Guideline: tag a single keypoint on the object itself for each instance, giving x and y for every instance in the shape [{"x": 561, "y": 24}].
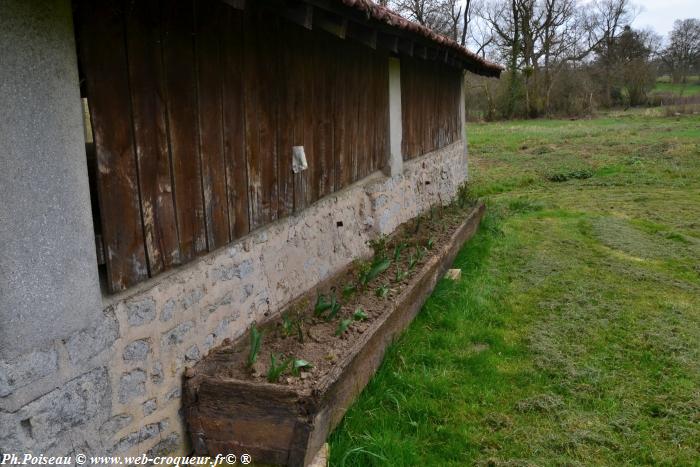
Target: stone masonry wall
[{"x": 115, "y": 387}]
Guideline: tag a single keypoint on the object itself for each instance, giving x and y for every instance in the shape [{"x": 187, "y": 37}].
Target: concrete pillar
[
  {"x": 48, "y": 273},
  {"x": 394, "y": 163}
]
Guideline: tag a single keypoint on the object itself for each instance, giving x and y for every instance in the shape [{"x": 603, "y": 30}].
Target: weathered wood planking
[
  {"x": 284, "y": 123},
  {"x": 102, "y": 35},
  {"x": 259, "y": 93},
  {"x": 300, "y": 123},
  {"x": 143, "y": 36},
  {"x": 430, "y": 94},
  {"x": 203, "y": 106},
  {"x": 326, "y": 79},
  {"x": 210, "y": 27},
  {"x": 181, "y": 91},
  {"x": 234, "y": 124}
]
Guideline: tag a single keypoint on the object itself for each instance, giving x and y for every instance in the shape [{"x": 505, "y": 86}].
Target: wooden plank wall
[
  {"x": 430, "y": 100},
  {"x": 195, "y": 108}
]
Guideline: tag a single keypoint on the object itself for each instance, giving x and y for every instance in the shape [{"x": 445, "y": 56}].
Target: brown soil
[{"x": 321, "y": 346}]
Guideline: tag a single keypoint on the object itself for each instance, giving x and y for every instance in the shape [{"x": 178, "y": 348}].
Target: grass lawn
[
  {"x": 691, "y": 88},
  {"x": 573, "y": 337}
]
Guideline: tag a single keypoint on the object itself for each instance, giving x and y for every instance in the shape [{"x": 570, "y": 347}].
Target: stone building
[{"x": 172, "y": 170}]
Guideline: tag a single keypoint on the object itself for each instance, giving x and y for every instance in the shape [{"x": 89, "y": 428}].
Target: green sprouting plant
[
  {"x": 278, "y": 365},
  {"x": 375, "y": 270},
  {"x": 342, "y": 327},
  {"x": 359, "y": 314},
  {"x": 382, "y": 291},
  {"x": 349, "y": 290},
  {"x": 322, "y": 304},
  {"x": 299, "y": 365},
  {"x": 255, "y": 342},
  {"x": 299, "y": 327},
  {"x": 363, "y": 268},
  {"x": 464, "y": 195},
  {"x": 420, "y": 253},
  {"x": 378, "y": 245},
  {"x": 419, "y": 221},
  {"x": 325, "y": 305},
  {"x": 287, "y": 324},
  {"x": 430, "y": 243},
  {"x": 398, "y": 249},
  {"x": 400, "y": 275},
  {"x": 335, "y": 308},
  {"x": 412, "y": 261}
]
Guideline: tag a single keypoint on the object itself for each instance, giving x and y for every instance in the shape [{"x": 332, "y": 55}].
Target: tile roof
[{"x": 394, "y": 20}]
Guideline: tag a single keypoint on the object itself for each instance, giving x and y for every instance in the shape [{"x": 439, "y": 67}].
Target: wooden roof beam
[
  {"x": 331, "y": 23},
  {"x": 406, "y": 46},
  {"x": 362, "y": 34},
  {"x": 389, "y": 42},
  {"x": 297, "y": 12}
]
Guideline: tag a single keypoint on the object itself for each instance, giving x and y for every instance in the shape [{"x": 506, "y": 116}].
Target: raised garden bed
[{"x": 236, "y": 401}]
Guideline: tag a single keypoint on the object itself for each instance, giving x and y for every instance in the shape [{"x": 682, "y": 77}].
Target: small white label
[{"x": 298, "y": 159}]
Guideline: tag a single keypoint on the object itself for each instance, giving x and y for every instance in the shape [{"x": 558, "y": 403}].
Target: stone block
[
  {"x": 132, "y": 385},
  {"x": 137, "y": 351},
  {"x": 177, "y": 334},
  {"x": 192, "y": 354},
  {"x": 73, "y": 404},
  {"x": 168, "y": 310},
  {"x": 167, "y": 446},
  {"x": 150, "y": 406},
  {"x": 140, "y": 312},
  {"x": 26, "y": 369},
  {"x": 85, "y": 344}
]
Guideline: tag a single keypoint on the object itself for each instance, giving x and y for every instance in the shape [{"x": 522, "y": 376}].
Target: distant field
[
  {"x": 691, "y": 88},
  {"x": 573, "y": 337}
]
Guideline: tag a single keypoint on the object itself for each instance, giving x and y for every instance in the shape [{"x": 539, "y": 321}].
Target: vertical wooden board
[
  {"x": 234, "y": 124},
  {"x": 329, "y": 49},
  {"x": 104, "y": 60},
  {"x": 268, "y": 68},
  {"x": 181, "y": 90},
  {"x": 305, "y": 189},
  {"x": 296, "y": 76},
  {"x": 353, "y": 109},
  {"x": 321, "y": 171},
  {"x": 285, "y": 121},
  {"x": 343, "y": 165},
  {"x": 371, "y": 116},
  {"x": 315, "y": 81},
  {"x": 382, "y": 109},
  {"x": 150, "y": 135},
  {"x": 253, "y": 110},
  {"x": 383, "y": 105},
  {"x": 363, "y": 122},
  {"x": 209, "y": 32},
  {"x": 429, "y": 90}
]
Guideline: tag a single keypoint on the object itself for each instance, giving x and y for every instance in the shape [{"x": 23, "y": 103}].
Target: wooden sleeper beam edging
[{"x": 279, "y": 425}]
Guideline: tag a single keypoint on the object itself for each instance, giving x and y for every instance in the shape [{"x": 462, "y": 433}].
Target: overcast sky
[{"x": 660, "y": 14}]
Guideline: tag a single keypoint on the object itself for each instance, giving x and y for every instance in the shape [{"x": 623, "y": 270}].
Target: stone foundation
[{"x": 115, "y": 386}]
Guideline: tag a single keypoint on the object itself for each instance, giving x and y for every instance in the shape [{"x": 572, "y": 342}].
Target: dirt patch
[{"x": 322, "y": 326}]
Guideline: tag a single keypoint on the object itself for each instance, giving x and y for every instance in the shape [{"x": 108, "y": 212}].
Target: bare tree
[
  {"x": 606, "y": 22},
  {"x": 682, "y": 55}
]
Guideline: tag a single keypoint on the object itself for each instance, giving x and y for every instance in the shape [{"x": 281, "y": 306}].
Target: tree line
[{"x": 562, "y": 57}]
